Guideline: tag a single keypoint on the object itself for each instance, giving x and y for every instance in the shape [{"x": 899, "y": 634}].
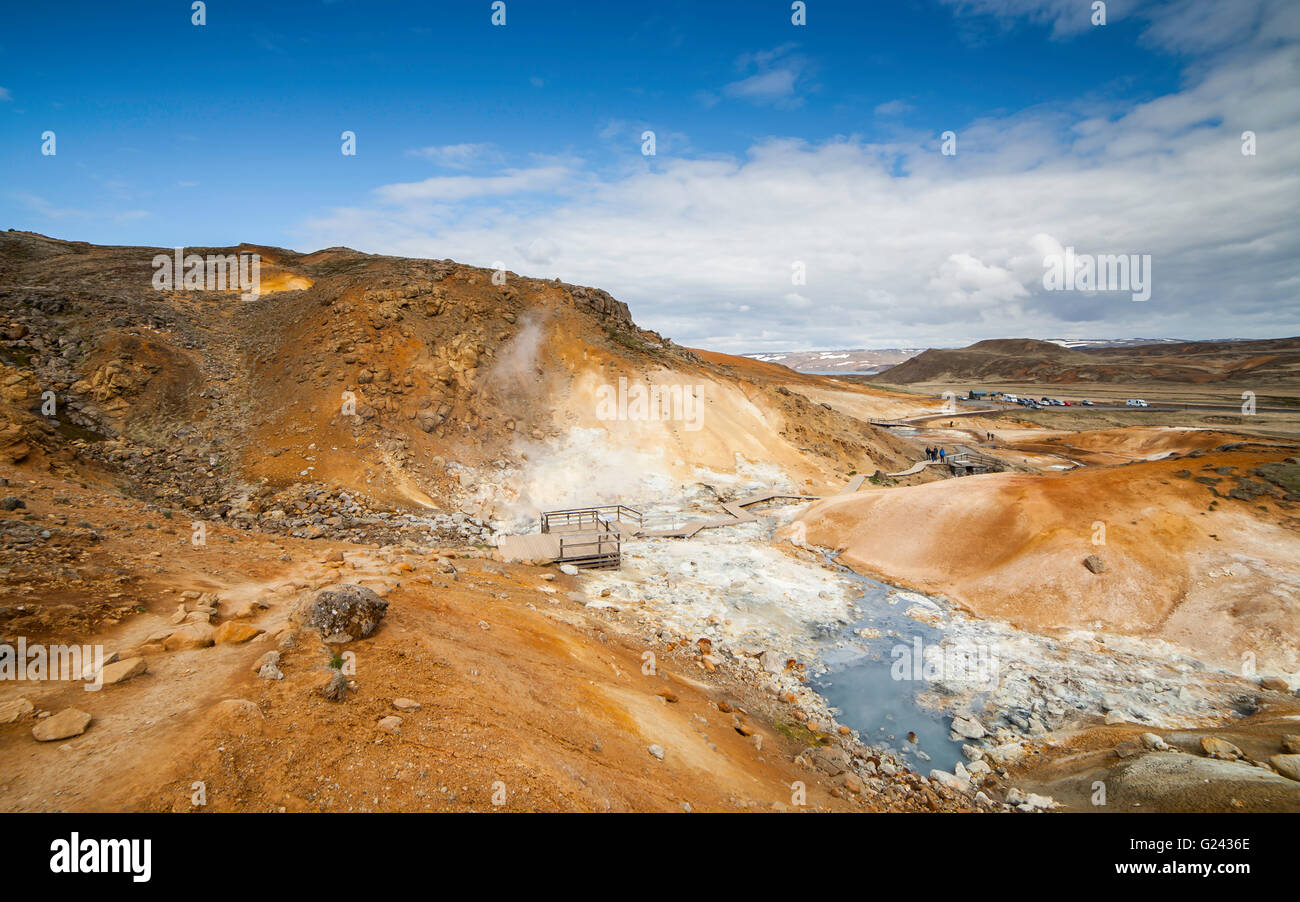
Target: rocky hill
[
  {"x": 423, "y": 384},
  {"x": 1270, "y": 361}
]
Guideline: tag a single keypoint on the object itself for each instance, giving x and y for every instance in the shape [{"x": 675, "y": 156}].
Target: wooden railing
[
  {"x": 597, "y": 518},
  {"x": 592, "y": 548}
]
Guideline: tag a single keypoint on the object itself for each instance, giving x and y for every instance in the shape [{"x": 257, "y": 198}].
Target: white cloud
[
  {"x": 457, "y": 156},
  {"x": 893, "y": 108},
  {"x": 452, "y": 188},
  {"x": 778, "y": 75},
  {"x": 947, "y": 252},
  {"x": 5, "y": 95},
  {"x": 765, "y": 87}
]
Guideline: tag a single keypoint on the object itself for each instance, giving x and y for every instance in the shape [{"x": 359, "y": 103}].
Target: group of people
[{"x": 935, "y": 454}]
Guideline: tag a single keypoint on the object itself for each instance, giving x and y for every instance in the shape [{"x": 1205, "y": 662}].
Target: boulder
[
  {"x": 64, "y": 725},
  {"x": 830, "y": 760},
  {"x": 121, "y": 671},
  {"x": 1290, "y": 742},
  {"x": 949, "y": 781},
  {"x": 968, "y": 728},
  {"x": 249, "y": 609},
  {"x": 234, "y": 632},
  {"x": 1286, "y": 765},
  {"x": 1154, "y": 742},
  {"x": 191, "y": 635},
  {"x": 1215, "y": 747},
  {"x": 346, "y": 609}
]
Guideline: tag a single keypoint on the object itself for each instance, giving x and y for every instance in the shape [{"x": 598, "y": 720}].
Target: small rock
[
  {"x": 121, "y": 671},
  {"x": 390, "y": 724},
  {"x": 189, "y": 636},
  {"x": 1290, "y": 742},
  {"x": 271, "y": 657},
  {"x": 234, "y": 632},
  {"x": 406, "y": 704},
  {"x": 1286, "y": 765},
  {"x": 657, "y": 751},
  {"x": 1215, "y": 747},
  {"x": 1274, "y": 684},
  {"x": 1094, "y": 564},
  {"x": 64, "y": 725},
  {"x": 830, "y": 760},
  {"x": 1035, "y": 802},
  {"x": 949, "y": 781},
  {"x": 569, "y": 569},
  {"x": 1154, "y": 742},
  {"x": 248, "y": 609},
  {"x": 270, "y": 672},
  {"x": 331, "y": 683},
  {"x": 12, "y": 710}
]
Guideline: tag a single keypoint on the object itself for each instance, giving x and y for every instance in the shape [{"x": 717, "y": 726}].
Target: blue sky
[{"x": 776, "y": 144}]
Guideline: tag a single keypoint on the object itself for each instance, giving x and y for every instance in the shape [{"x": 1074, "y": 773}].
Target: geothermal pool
[{"x": 874, "y": 677}]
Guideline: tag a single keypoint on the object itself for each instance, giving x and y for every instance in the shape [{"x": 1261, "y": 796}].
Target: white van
[{"x": 1136, "y": 402}]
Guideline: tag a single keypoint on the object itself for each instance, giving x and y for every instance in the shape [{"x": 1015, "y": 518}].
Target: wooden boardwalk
[
  {"x": 854, "y": 484},
  {"x": 542, "y": 547},
  {"x": 588, "y": 537},
  {"x": 914, "y": 468},
  {"x": 591, "y": 537},
  {"x": 735, "y": 508}
]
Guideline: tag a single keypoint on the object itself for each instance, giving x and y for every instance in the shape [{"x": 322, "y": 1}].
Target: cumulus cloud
[{"x": 901, "y": 245}]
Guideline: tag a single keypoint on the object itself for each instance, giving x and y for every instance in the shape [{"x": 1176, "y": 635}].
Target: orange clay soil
[
  {"x": 1012, "y": 546},
  {"x": 517, "y": 685}
]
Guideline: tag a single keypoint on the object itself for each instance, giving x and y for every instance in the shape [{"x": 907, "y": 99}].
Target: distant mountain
[
  {"x": 854, "y": 360},
  {"x": 1029, "y": 360}
]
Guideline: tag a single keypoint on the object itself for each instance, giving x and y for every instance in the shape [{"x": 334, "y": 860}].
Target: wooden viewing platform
[{"x": 587, "y": 537}]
